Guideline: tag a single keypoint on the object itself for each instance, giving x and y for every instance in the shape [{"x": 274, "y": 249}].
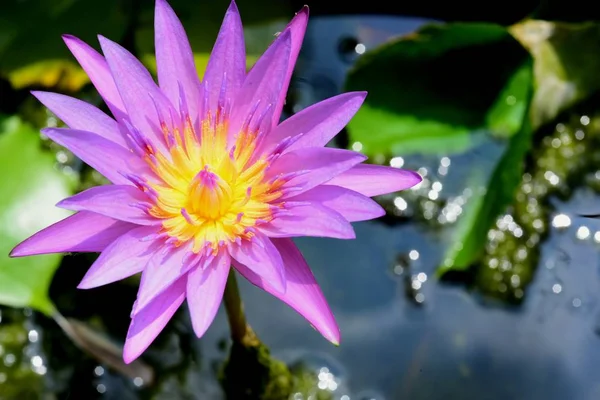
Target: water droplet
[
  {"x": 400, "y": 203},
  {"x": 101, "y": 388},
  {"x": 552, "y": 178},
  {"x": 584, "y": 120},
  {"x": 515, "y": 280},
  {"x": 360, "y": 48},
  {"x": 557, "y": 288},
  {"x": 561, "y": 221},
  {"x": 33, "y": 336},
  {"x": 413, "y": 255},
  {"x": 357, "y": 146},
  {"x": 9, "y": 359},
  {"x": 420, "y": 298},
  {"x": 583, "y": 233},
  {"x": 556, "y": 143},
  {"x": 37, "y": 361},
  {"x": 397, "y": 162}
]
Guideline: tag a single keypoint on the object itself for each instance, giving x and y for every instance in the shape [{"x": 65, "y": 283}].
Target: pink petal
[
  {"x": 303, "y": 293},
  {"x": 318, "y": 123},
  {"x": 78, "y": 114},
  {"x": 124, "y": 257},
  {"x": 149, "y": 322},
  {"x": 96, "y": 68},
  {"x": 174, "y": 59},
  {"x": 115, "y": 201},
  {"x": 107, "y": 157},
  {"x": 81, "y": 232},
  {"x": 205, "y": 287},
  {"x": 161, "y": 272},
  {"x": 374, "y": 180},
  {"x": 226, "y": 66},
  {"x": 306, "y": 219},
  {"x": 297, "y": 28},
  {"x": 142, "y": 98},
  {"x": 260, "y": 255},
  {"x": 315, "y": 166},
  {"x": 262, "y": 87},
  {"x": 352, "y": 205}
]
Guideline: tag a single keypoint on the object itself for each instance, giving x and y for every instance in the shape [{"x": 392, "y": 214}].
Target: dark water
[{"x": 405, "y": 335}]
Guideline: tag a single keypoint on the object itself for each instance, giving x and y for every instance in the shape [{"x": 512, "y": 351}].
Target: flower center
[
  {"x": 209, "y": 196},
  {"x": 207, "y": 192}
]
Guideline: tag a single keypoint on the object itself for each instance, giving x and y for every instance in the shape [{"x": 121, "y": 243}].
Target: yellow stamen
[{"x": 207, "y": 193}]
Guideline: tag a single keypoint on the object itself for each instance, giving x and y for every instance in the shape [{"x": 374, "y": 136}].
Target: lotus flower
[{"x": 204, "y": 177}]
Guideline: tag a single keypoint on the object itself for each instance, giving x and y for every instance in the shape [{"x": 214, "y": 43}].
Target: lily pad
[
  {"x": 567, "y": 61},
  {"x": 486, "y": 205},
  {"x": 29, "y": 188},
  {"x": 439, "y": 90}
]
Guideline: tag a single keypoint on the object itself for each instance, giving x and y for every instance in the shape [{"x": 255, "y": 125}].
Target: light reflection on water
[{"x": 452, "y": 346}]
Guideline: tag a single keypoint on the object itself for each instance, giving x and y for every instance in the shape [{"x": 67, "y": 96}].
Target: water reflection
[{"x": 547, "y": 348}]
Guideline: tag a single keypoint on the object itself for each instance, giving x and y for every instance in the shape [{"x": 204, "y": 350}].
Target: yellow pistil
[{"x": 207, "y": 193}]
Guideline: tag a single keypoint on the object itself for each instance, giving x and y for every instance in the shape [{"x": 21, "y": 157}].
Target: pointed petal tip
[
  {"x": 130, "y": 356},
  {"x": 199, "y": 331},
  {"x": 304, "y": 10},
  {"x": 233, "y": 7},
  {"x": 64, "y": 203},
  {"x": 415, "y": 176},
  {"x": 102, "y": 39},
  {"x": 24, "y": 250},
  {"x": 67, "y": 37},
  {"x": 16, "y": 251},
  {"x": 349, "y": 236},
  {"x": 330, "y": 332},
  {"x": 84, "y": 284}
]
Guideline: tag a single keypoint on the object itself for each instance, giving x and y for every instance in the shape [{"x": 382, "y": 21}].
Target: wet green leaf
[
  {"x": 32, "y": 52},
  {"x": 487, "y": 204},
  {"x": 439, "y": 90},
  {"x": 29, "y": 188},
  {"x": 567, "y": 61}
]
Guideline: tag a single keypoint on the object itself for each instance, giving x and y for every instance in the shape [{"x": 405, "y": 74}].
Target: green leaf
[
  {"x": 486, "y": 205},
  {"x": 29, "y": 188},
  {"x": 31, "y": 48},
  {"x": 567, "y": 61},
  {"x": 440, "y": 90}
]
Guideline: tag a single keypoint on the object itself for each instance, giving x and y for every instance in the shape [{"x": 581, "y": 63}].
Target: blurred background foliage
[{"x": 501, "y": 72}]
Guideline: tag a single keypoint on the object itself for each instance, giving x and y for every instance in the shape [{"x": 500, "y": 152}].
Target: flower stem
[{"x": 241, "y": 332}]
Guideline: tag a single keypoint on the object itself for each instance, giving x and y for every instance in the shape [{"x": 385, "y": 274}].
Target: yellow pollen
[{"x": 206, "y": 192}]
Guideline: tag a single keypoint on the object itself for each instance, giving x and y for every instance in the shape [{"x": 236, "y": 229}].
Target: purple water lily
[{"x": 204, "y": 177}]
